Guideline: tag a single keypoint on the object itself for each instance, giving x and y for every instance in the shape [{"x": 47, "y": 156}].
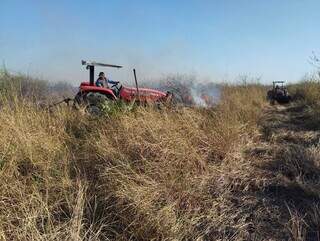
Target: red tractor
[{"x": 90, "y": 95}]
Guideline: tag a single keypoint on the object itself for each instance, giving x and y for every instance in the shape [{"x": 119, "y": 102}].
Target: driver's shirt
[{"x": 100, "y": 83}]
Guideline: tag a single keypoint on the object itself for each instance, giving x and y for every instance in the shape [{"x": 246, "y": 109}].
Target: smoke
[
  {"x": 197, "y": 98},
  {"x": 188, "y": 90}
]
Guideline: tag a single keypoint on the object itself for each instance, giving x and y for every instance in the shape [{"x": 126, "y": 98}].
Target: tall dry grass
[
  {"x": 140, "y": 175},
  {"x": 35, "y": 90},
  {"x": 307, "y": 90}
]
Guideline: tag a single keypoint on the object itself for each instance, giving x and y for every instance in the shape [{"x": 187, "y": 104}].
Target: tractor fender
[{"x": 95, "y": 89}]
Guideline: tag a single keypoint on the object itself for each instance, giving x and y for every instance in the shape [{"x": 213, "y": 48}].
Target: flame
[{"x": 207, "y": 99}]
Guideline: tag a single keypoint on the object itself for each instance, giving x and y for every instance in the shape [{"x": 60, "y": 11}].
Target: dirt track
[{"x": 287, "y": 159}]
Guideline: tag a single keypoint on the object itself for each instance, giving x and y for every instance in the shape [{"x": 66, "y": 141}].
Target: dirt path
[
  {"x": 292, "y": 124},
  {"x": 288, "y": 159}
]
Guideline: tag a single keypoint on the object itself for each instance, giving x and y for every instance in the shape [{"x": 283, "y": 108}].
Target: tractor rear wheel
[
  {"x": 93, "y": 110},
  {"x": 92, "y": 102}
]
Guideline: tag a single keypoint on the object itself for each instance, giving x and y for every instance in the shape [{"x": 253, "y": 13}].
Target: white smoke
[
  {"x": 188, "y": 90},
  {"x": 197, "y": 98},
  {"x": 205, "y": 95}
]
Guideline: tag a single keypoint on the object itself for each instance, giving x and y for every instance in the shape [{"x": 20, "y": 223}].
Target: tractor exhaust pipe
[
  {"x": 91, "y": 74},
  {"x": 136, "y": 81}
]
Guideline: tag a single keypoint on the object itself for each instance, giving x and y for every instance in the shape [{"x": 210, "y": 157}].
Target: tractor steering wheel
[
  {"x": 115, "y": 86},
  {"x": 116, "y": 89}
]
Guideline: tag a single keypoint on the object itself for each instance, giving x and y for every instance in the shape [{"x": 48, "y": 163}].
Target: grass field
[{"x": 182, "y": 173}]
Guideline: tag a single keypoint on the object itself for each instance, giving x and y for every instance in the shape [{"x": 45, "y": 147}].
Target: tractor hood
[{"x": 147, "y": 95}]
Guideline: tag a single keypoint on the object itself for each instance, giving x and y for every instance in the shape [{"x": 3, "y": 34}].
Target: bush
[{"x": 24, "y": 87}]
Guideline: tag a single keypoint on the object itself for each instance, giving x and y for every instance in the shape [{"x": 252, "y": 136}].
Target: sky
[{"x": 216, "y": 40}]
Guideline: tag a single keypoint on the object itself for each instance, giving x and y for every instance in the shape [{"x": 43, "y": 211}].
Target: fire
[{"x": 207, "y": 99}]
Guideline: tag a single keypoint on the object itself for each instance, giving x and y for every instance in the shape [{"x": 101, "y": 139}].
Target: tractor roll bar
[{"x": 91, "y": 65}]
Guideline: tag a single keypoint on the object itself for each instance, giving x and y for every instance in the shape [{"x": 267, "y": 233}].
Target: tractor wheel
[
  {"x": 93, "y": 110},
  {"x": 92, "y": 102},
  {"x": 270, "y": 95},
  {"x": 272, "y": 102},
  {"x": 96, "y": 103}
]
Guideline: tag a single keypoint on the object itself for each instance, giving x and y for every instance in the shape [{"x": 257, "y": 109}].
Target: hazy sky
[{"x": 217, "y": 39}]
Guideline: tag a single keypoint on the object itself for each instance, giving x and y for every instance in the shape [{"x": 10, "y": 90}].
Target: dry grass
[
  {"x": 146, "y": 174},
  {"x": 173, "y": 174},
  {"x": 308, "y": 90}
]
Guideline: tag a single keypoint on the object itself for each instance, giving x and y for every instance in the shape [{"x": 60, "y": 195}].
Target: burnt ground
[{"x": 287, "y": 158}]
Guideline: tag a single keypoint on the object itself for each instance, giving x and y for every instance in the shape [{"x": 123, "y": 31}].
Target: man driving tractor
[{"x": 102, "y": 81}]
